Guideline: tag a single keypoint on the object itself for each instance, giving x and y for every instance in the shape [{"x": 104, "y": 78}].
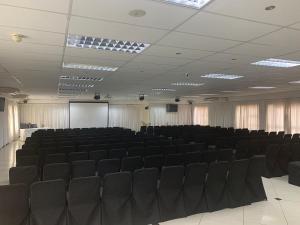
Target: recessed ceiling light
[
  {"x": 76, "y": 85},
  {"x": 79, "y": 41},
  {"x": 295, "y": 82},
  {"x": 198, "y": 4},
  {"x": 89, "y": 67},
  {"x": 262, "y": 87},
  {"x": 271, "y": 7},
  {"x": 163, "y": 89},
  {"x": 81, "y": 78},
  {"x": 282, "y": 63},
  {"x": 230, "y": 91},
  {"x": 222, "y": 76},
  {"x": 187, "y": 84},
  {"x": 137, "y": 13}
]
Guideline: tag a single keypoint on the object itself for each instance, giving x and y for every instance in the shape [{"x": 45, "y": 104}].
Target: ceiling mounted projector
[
  {"x": 97, "y": 96},
  {"x": 141, "y": 97},
  {"x": 177, "y": 99}
]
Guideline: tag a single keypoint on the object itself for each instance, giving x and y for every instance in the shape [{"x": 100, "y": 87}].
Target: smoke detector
[{"x": 17, "y": 37}]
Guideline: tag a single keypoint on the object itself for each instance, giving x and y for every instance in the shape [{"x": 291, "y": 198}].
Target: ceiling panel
[
  {"x": 158, "y": 14},
  {"x": 61, "y": 6},
  {"x": 111, "y": 30},
  {"x": 190, "y": 41},
  {"x": 284, "y": 38},
  {"x": 146, "y": 67},
  {"x": 179, "y": 53},
  {"x": 225, "y": 27},
  {"x": 232, "y": 59},
  {"x": 285, "y": 13},
  {"x": 161, "y": 60},
  {"x": 32, "y": 19}
]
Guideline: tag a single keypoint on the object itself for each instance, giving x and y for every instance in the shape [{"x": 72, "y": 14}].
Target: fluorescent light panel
[
  {"x": 230, "y": 91},
  {"x": 89, "y": 67},
  {"x": 79, "y": 41},
  {"x": 76, "y": 85},
  {"x": 295, "y": 82},
  {"x": 208, "y": 94},
  {"x": 222, "y": 76},
  {"x": 187, "y": 84},
  {"x": 198, "y": 4},
  {"x": 163, "y": 89},
  {"x": 81, "y": 78},
  {"x": 262, "y": 87},
  {"x": 281, "y": 63}
]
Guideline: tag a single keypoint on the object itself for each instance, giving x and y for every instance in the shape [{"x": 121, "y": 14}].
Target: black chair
[
  {"x": 169, "y": 149},
  {"x": 98, "y": 155},
  {"x": 144, "y": 197},
  {"x": 174, "y": 159},
  {"x": 225, "y": 155},
  {"x": 136, "y": 151},
  {"x": 256, "y": 170},
  {"x": 192, "y": 157},
  {"x": 184, "y": 148},
  {"x": 152, "y": 150},
  {"x": 32, "y": 160},
  {"x": 215, "y": 190},
  {"x": 83, "y": 168},
  {"x": 57, "y": 171},
  {"x": 272, "y": 166},
  {"x": 154, "y": 161},
  {"x": 84, "y": 201},
  {"x": 107, "y": 166},
  {"x": 193, "y": 191},
  {"x": 170, "y": 193},
  {"x": 131, "y": 163},
  {"x": 209, "y": 156},
  {"x": 48, "y": 203},
  {"x": 116, "y": 199},
  {"x": 23, "y": 175},
  {"x": 77, "y": 156},
  {"x": 117, "y": 153},
  {"x": 236, "y": 183},
  {"x": 55, "y": 158},
  {"x": 14, "y": 204}
]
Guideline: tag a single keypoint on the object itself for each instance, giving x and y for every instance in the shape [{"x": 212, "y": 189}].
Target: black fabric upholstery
[
  {"x": 117, "y": 153},
  {"x": 116, "y": 199},
  {"x": 225, "y": 155},
  {"x": 174, "y": 159},
  {"x": 216, "y": 186},
  {"x": 144, "y": 197},
  {"x": 294, "y": 173},
  {"x": 136, "y": 151},
  {"x": 131, "y": 163},
  {"x": 84, "y": 168},
  {"x": 55, "y": 158},
  {"x": 84, "y": 201},
  {"x": 256, "y": 170},
  {"x": 48, "y": 203},
  {"x": 107, "y": 166},
  {"x": 14, "y": 204},
  {"x": 273, "y": 169},
  {"x": 193, "y": 191},
  {"x": 76, "y": 156},
  {"x": 152, "y": 150},
  {"x": 236, "y": 183},
  {"x": 192, "y": 157},
  {"x": 154, "y": 161},
  {"x": 98, "y": 155},
  {"x": 57, "y": 171},
  {"x": 170, "y": 193},
  {"x": 31, "y": 160},
  {"x": 23, "y": 175}
]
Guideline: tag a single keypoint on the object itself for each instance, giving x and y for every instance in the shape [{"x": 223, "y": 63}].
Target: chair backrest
[
  {"x": 169, "y": 149},
  {"x": 131, "y": 163},
  {"x": 55, "y": 158},
  {"x": 144, "y": 196},
  {"x": 32, "y": 160},
  {"x": 48, "y": 203},
  {"x": 57, "y": 171},
  {"x": 116, "y": 199},
  {"x": 76, "y": 156},
  {"x": 192, "y": 157},
  {"x": 14, "y": 204},
  {"x": 117, "y": 153},
  {"x": 170, "y": 193},
  {"x": 84, "y": 201},
  {"x": 107, "y": 166},
  {"x": 174, "y": 159},
  {"x": 193, "y": 191},
  {"x": 98, "y": 155},
  {"x": 136, "y": 151},
  {"x": 154, "y": 161},
  {"x": 23, "y": 175},
  {"x": 83, "y": 168},
  {"x": 152, "y": 150}
]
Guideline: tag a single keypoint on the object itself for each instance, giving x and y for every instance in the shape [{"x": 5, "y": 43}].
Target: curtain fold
[
  {"x": 247, "y": 116},
  {"x": 200, "y": 115},
  {"x": 275, "y": 114}
]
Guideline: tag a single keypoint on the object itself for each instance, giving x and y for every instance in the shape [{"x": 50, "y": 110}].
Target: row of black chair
[{"x": 137, "y": 199}]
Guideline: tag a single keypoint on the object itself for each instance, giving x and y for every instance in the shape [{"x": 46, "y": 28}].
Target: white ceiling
[{"x": 224, "y": 37}]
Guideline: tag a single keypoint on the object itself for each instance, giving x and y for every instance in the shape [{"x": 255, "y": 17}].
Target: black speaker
[{"x": 141, "y": 97}]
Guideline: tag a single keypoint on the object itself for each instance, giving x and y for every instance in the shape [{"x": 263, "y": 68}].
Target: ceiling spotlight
[
  {"x": 141, "y": 97},
  {"x": 97, "y": 96},
  {"x": 137, "y": 13},
  {"x": 177, "y": 99},
  {"x": 269, "y": 8},
  {"x": 178, "y": 53},
  {"x": 17, "y": 37}
]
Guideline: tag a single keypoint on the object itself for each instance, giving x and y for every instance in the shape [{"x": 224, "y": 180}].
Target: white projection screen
[{"x": 88, "y": 114}]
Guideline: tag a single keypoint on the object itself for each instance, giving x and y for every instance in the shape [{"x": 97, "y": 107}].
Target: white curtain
[
  {"x": 200, "y": 115},
  {"x": 247, "y": 116},
  {"x": 159, "y": 116},
  {"x": 294, "y": 117},
  {"x": 221, "y": 114},
  {"x": 45, "y": 115},
  {"x": 128, "y": 116},
  {"x": 275, "y": 114}
]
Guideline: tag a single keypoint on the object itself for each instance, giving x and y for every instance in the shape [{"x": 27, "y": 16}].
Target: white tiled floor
[{"x": 271, "y": 212}]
